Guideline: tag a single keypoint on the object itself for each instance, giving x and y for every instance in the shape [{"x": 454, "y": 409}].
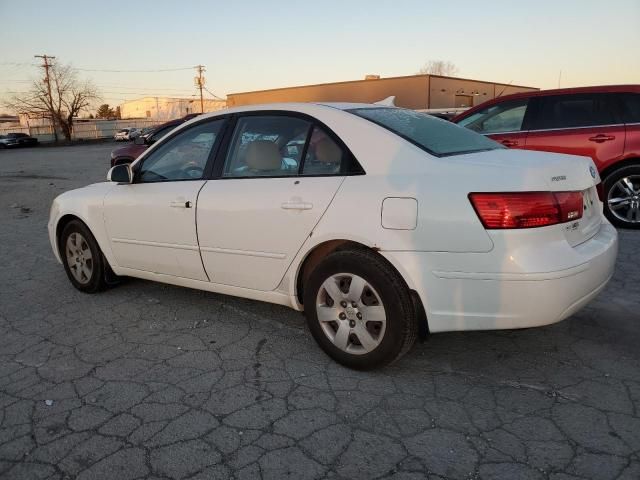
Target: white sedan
[
  {"x": 126, "y": 134},
  {"x": 380, "y": 223}
]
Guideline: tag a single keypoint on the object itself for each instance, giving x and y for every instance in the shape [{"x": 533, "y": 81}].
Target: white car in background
[
  {"x": 126, "y": 134},
  {"x": 379, "y": 223}
]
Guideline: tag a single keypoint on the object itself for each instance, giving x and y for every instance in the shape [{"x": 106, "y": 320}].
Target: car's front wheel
[
  {"x": 359, "y": 309},
  {"x": 622, "y": 197},
  {"x": 82, "y": 258}
]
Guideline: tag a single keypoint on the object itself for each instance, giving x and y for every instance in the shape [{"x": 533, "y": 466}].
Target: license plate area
[{"x": 581, "y": 230}]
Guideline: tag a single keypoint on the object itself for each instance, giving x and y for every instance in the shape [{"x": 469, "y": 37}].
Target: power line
[
  {"x": 150, "y": 93},
  {"x": 116, "y": 86},
  {"x": 20, "y": 64},
  {"x": 132, "y": 71},
  {"x": 213, "y": 94},
  {"x": 113, "y": 86}
]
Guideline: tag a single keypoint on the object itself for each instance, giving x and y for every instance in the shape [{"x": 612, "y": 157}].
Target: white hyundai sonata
[{"x": 380, "y": 223}]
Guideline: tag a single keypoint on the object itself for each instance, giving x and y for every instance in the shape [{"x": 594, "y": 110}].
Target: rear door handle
[
  {"x": 297, "y": 206},
  {"x": 180, "y": 204},
  {"x": 601, "y": 138},
  {"x": 509, "y": 143}
]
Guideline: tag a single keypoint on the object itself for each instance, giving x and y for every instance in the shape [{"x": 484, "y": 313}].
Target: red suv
[{"x": 599, "y": 122}]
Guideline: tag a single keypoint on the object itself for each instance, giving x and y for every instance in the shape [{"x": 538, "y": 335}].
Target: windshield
[{"x": 436, "y": 136}]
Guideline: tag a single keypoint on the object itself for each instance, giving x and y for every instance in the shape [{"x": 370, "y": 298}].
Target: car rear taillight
[
  {"x": 526, "y": 209},
  {"x": 600, "y": 189}
]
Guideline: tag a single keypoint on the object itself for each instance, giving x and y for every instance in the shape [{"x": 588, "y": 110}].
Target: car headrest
[
  {"x": 327, "y": 151},
  {"x": 263, "y": 155}
]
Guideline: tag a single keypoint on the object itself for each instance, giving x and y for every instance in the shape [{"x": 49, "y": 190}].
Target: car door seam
[
  {"x": 320, "y": 217},
  {"x": 197, "y": 203}
]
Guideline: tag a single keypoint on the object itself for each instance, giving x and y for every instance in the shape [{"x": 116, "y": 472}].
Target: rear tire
[
  {"x": 359, "y": 309},
  {"x": 82, "y": 258},
  {"x": 622, "y": 197}
]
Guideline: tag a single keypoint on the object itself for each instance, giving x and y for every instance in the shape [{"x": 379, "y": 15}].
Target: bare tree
[
  {"x": 439, "y": 67},
  {"x": 67, "y": 97}
]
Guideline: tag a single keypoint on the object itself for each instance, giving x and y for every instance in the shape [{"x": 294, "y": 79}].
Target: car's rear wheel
[
  {"x": 82, "y": 258},
  {"x": 359, "y": 309},
  {"x": 622, "y": 197}
]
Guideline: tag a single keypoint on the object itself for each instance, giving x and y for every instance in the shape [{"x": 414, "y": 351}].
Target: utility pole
[
  {"x": 199, "y": 81},
  {"x": 46, "y": 65}
]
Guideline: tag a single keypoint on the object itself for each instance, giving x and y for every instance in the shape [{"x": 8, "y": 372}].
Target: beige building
[
  {"x": 166, "y": 108},
  {"x": 414, "y": 91}
]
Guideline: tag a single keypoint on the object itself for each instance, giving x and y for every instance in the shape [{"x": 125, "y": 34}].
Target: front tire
[
  {"x": 622, "y": 197},
  {"x": 359, "y": 309},
  {"x": 82, "y": 258}
]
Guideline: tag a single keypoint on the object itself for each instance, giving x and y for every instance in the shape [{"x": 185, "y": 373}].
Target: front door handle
[
  {"x": 601, "y": 138},
  {"x": 509, "y": 143},
  {"x": 297, "y": 206},
  {"x": 180, "y": 204}
]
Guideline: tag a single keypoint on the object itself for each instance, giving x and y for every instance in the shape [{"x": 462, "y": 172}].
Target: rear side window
[
  {"x": 502, "y": 117},
  {"x": 631, "y": 107},
  {"x": 324, "y": 156},
  {"x": 266, "y": 146},
  {"x": 571, "y": 111},
  {"x": 436, "y": 136}
]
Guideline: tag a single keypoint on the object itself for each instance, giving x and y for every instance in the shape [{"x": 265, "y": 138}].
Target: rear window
[{"x": 436, "y": 136}]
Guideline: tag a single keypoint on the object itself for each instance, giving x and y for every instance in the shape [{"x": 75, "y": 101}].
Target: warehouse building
[
  {"x": 167, "y": 108},
  {"x": 415, "y": 91}
]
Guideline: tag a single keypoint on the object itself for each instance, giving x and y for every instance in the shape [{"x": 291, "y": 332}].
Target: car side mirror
[
  {"x": 139, "y": 140},
  {"x": 120, "y": 174}
]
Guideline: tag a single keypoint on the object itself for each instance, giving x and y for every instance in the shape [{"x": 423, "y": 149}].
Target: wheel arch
[
  {"x": 627, "y": 162},
  {"x": 63, "y": 221},
  {"x": 315, "y": 255}
]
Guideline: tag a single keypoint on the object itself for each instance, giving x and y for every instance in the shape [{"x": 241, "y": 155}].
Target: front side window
[
  {"x": 266, "y": 146},
  {"x": 182, "y": 157},
  {"x": 436, "y": 136},
  {"x": 502, "y": 117},
  {"x": 573, "y": 111}
]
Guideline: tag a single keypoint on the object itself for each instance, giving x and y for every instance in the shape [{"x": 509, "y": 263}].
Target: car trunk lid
[{"x": 529, "y": 171}]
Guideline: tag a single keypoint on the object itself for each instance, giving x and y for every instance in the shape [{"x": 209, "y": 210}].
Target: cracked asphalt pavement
[{"x": 154, "y": 381}]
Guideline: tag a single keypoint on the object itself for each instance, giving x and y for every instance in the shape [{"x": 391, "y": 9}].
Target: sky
[{"x": 255, "y": 45}]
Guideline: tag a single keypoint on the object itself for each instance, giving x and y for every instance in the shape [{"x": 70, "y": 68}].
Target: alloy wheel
[
  {"x": 351, "y": 313},
  {"x": 624, "y": 199},
  {"x": 79, "y": 258}
]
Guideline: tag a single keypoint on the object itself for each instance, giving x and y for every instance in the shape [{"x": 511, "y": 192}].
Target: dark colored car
[
  {"x": 17, "y": 140},
  {"x": 599, "y": 122},
  {"x": 132, "y": 151}
]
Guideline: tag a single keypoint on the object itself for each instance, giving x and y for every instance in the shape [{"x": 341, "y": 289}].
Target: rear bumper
[{"x": 520, "y": 293}]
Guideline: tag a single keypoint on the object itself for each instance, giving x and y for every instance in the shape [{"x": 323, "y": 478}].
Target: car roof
[
  {"x": 556, "y": 91},
  {"x": 349, "y": 105},
  {"x": 576, "y": 90},
  {"x": 301, "y": 107}
]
